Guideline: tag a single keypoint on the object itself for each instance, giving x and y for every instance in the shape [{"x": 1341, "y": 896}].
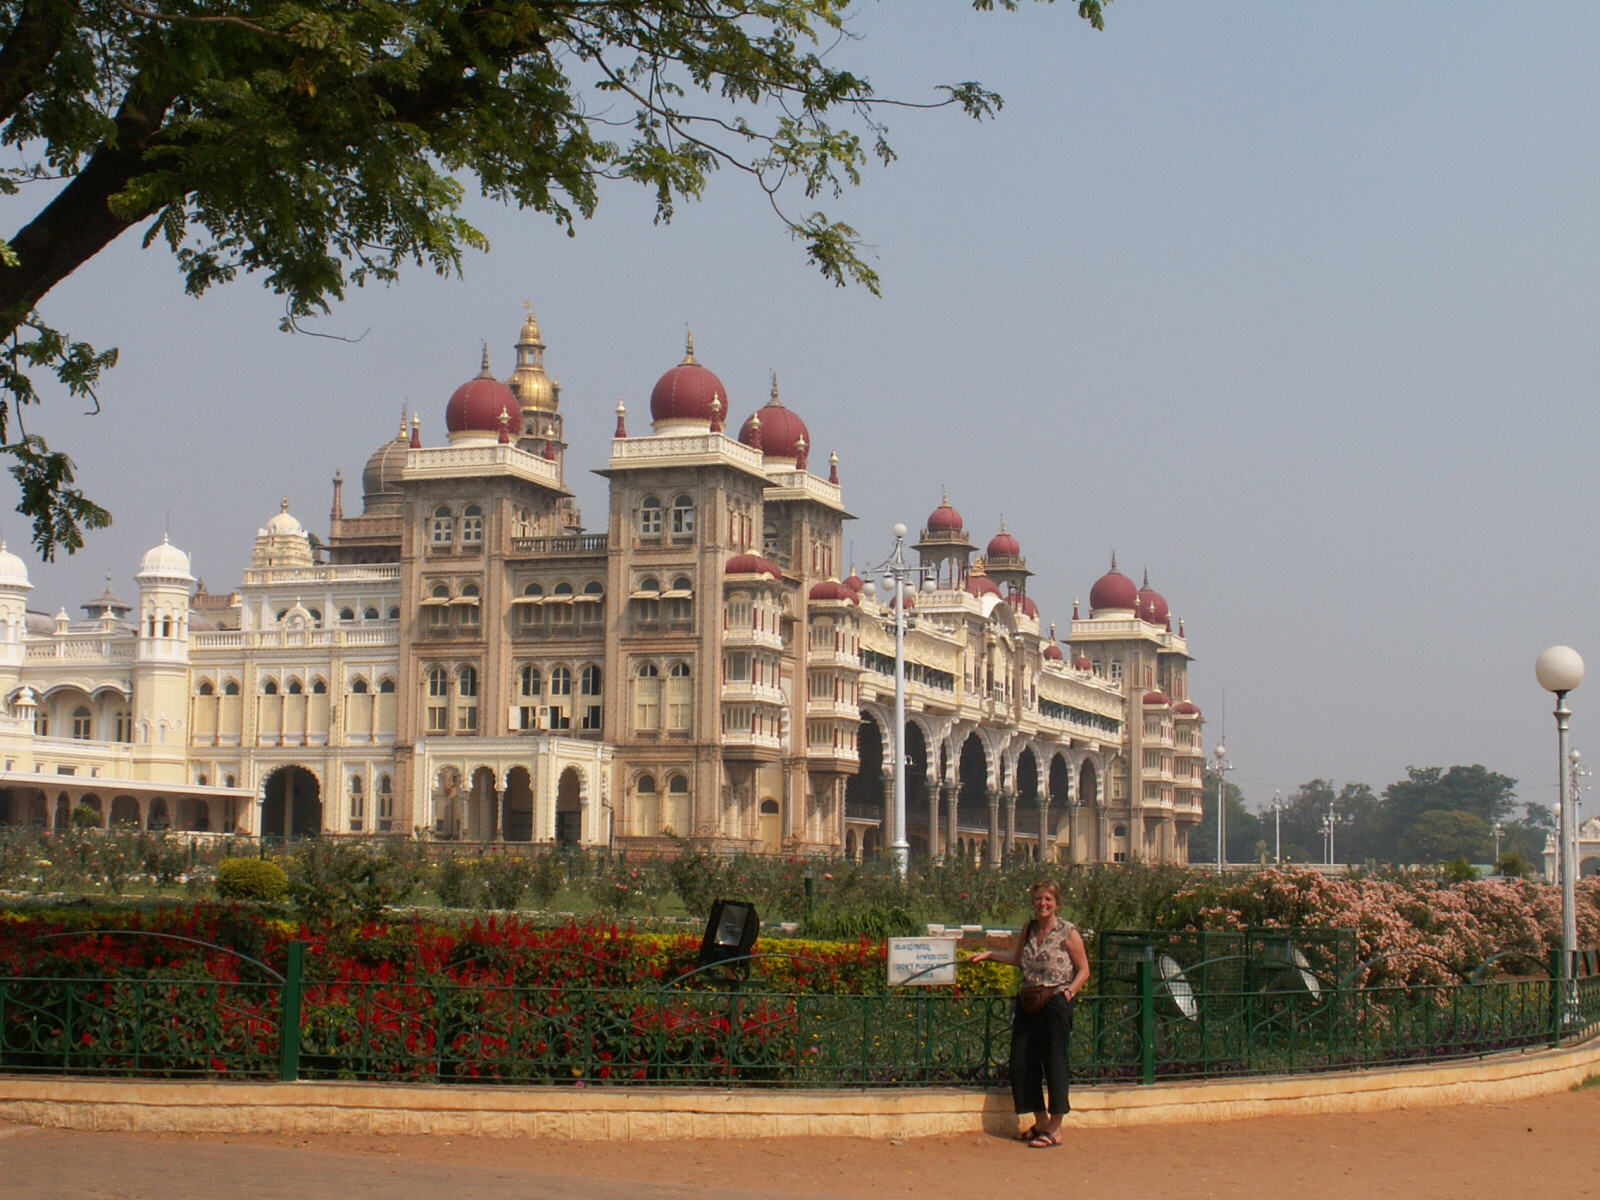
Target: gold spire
[
  {"x": 775, "y": 402},
  {"x": 688, "y": 344},
  {"x": 535, "y": 390}
]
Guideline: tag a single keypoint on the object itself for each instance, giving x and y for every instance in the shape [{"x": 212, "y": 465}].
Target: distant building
[{"x": 463, "y": 660}]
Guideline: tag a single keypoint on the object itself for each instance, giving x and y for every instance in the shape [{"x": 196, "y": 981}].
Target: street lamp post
[
  {"x": 1223, "y": 765},
  {"x": 1499, "y": 832},
  {"x": 1560, "y": 669},
  {"x": 896, "y": 573},
  {"x": 1277, "y": 828}
]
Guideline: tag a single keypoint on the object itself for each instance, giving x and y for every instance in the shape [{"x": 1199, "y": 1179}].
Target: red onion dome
[
  {"x": 1082, "y": 663},
  {"x": 945, "y": 519},
  {"x": 1151, "y": 606},
  {"x": 1020, "y": 602},
  {"x": 1053, "y": 652},
  {"x": 783, "y": 434},
  {"x": 685, "y": 393},
  {"x": 1185, "y": 709},
  {"x": 1113, "y": 590},
  {"x": 478, "y": 404},
  {"x": 910, "y": 598},
  {"x": 979, "y": 584},
  {"x": 855, "y": 583},
  {"x": 831, "y": 589},
  {"x": 1156, "y": 698},
  {"x": 1003, "y": 545},
  {"x": 752, "y": 564}
]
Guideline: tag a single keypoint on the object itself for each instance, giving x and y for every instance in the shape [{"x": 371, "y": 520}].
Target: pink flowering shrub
[{"x": 1418, "y": 929}]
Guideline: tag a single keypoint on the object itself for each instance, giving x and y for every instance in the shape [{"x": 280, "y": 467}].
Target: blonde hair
[{"x": 1046, "y": 885}]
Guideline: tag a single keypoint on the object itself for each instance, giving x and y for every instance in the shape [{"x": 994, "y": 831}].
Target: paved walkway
[{"x": 1489, "y": 1149}]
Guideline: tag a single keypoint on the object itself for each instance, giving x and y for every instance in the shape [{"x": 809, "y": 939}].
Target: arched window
[
  {"x": 594, "y": 588},
  {"x": 296, "y": 687},
  {"x": 678, "y": 785},
  {"x": 82, "y": 724},
  {"x": 440, "y": 527},
  {"x": 589, "y": 681},
  {"x": 680, "y": 697},
  {"x": 206, "y": 689},
  {"x": 231, "y": 688},
  {"x": 386, "y": 685},
  {"x": 647, "y": 699},
  {"x": 358, "y": 686},
  {"x": 385, "y": 804},
  {"x": 472, "y": 526},
  {"x": 589, "y": 685},
  {"x": 370, "y": 613},
  {"x": 347, "y": 615},
  {"x": 358, "y": 804},
  {"x": 529, "y": 604},
  {"x": 319, "y": 687},
  {"x": 467, "y": 707},
  {"x": 529, "y": 688},
  {"x": 683, "y": 517},
  {"x": 438, "y": 714},
  {"x": 269, "y": 688},
  {"x": 650, "y": 517},
  {"x": 680, "y": 599},
  {"x": 394, "y": 612},
  {"x": 438, "y": 605},
  {"x": 561, "y": 682},
  {"x": 648, "y": 819},
  {"x": 468, "y": 603}
]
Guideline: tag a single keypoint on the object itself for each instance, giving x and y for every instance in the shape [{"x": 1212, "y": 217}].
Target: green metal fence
[{"x": 693, "y": 1031}]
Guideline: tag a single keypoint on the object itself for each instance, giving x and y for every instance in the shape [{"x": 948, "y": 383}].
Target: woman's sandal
[
  {"x": 1044, "y": 1141},
  {"x": 1028, "y": 1134}
]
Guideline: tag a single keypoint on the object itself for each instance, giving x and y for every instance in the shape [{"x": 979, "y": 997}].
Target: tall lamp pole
[
  {"x": 896, "y": 574},
  {"x": 1560, "y": 669},
  {"x": 1223, "y": 766},
  {"x": 1277, "y": 828}
]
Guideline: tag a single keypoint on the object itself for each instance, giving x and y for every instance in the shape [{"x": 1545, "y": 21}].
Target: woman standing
[{"x": 1055, "y": 968}]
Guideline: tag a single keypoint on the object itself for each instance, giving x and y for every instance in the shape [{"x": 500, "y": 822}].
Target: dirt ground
[{"x": 1537, "y": 1145}]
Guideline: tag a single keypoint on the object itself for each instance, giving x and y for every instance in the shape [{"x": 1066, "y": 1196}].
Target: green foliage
[
  {"x": 332, "y": 878},
  {"x": 329, "y": 146},
  {"x": 1514, "y": 865},
  {"x": 505, "y": 877},
  {"x": 1459, "y": 870},
  {"x": 85, "y": 816},
  {"x": 258, "y": 879},
  {"x": 454, "y": 882}
]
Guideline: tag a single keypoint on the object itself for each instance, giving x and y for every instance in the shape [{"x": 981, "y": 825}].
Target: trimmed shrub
[{"x": 252, "y": 879}]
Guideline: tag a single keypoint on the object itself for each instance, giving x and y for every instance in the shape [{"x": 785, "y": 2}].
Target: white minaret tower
[{"x": 161, "y": 665}]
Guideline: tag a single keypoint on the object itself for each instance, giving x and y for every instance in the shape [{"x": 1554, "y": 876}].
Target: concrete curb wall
[{"x": 584, "y": 1114}]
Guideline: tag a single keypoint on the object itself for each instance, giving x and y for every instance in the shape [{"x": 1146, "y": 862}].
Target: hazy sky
[{"x": 1293, "y": 304}]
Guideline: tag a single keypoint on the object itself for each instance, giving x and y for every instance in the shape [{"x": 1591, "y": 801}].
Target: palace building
[{"x": 461, "y": 658}]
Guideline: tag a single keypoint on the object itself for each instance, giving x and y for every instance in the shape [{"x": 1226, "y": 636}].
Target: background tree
[
  {"x": 331, "y": 144},
  {"x": 1442, "y": 834},
  {"x": 1472, "y": 790}
]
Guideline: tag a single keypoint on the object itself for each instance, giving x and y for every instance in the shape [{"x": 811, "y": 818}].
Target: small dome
[
  {"x": 13, "y": 571},
  {"x": 945, "y": 519},
  {"x": 783, "y": 434},
  {"x": 478, "y": 406},
  {"x": 1003, "y": 545},
  {"x": 1185, "y": 709},
  {"x": 832, "y": 589},
  {"x": 1113, "y": 590},
  {"x": 1022, "y": 604},
  {"x": 1052, "y": 653},
  {"x": 534, "y": 390},
  {"x": 752, "y": 564},
  {"x": 1150, "y": 604},
  {"x": 1082, "y": 663},
  {"x": 979, "y": 584},
  {"x": 684, "y": 395},
  {"x": 167, "y": 561},
  {"x": 1154, "y": 698},
  {"x": 282, "y": 523},
  {"x": 855, "y": 583},
  {"x": 380, "y": 478}
]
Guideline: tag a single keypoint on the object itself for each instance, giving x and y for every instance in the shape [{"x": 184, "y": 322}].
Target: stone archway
[
  {"x": 569, "y": 808},
  {"x": 517, "y": 806},
  {"x": 771, "y": 821},
  {"x": 1089, "y": 809},
  {"x": 864, "y": 792},
  {"x": 291, "y": 804},
  {"x": 125, "y": 812},
  {"x": 972, "y": 782},
  {"x": 483, "y": 807}
]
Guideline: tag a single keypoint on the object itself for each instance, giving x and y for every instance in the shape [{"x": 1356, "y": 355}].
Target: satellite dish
[
  {"x": 1174, "y": 986},
  {"x": 1295, "y": 976}
]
